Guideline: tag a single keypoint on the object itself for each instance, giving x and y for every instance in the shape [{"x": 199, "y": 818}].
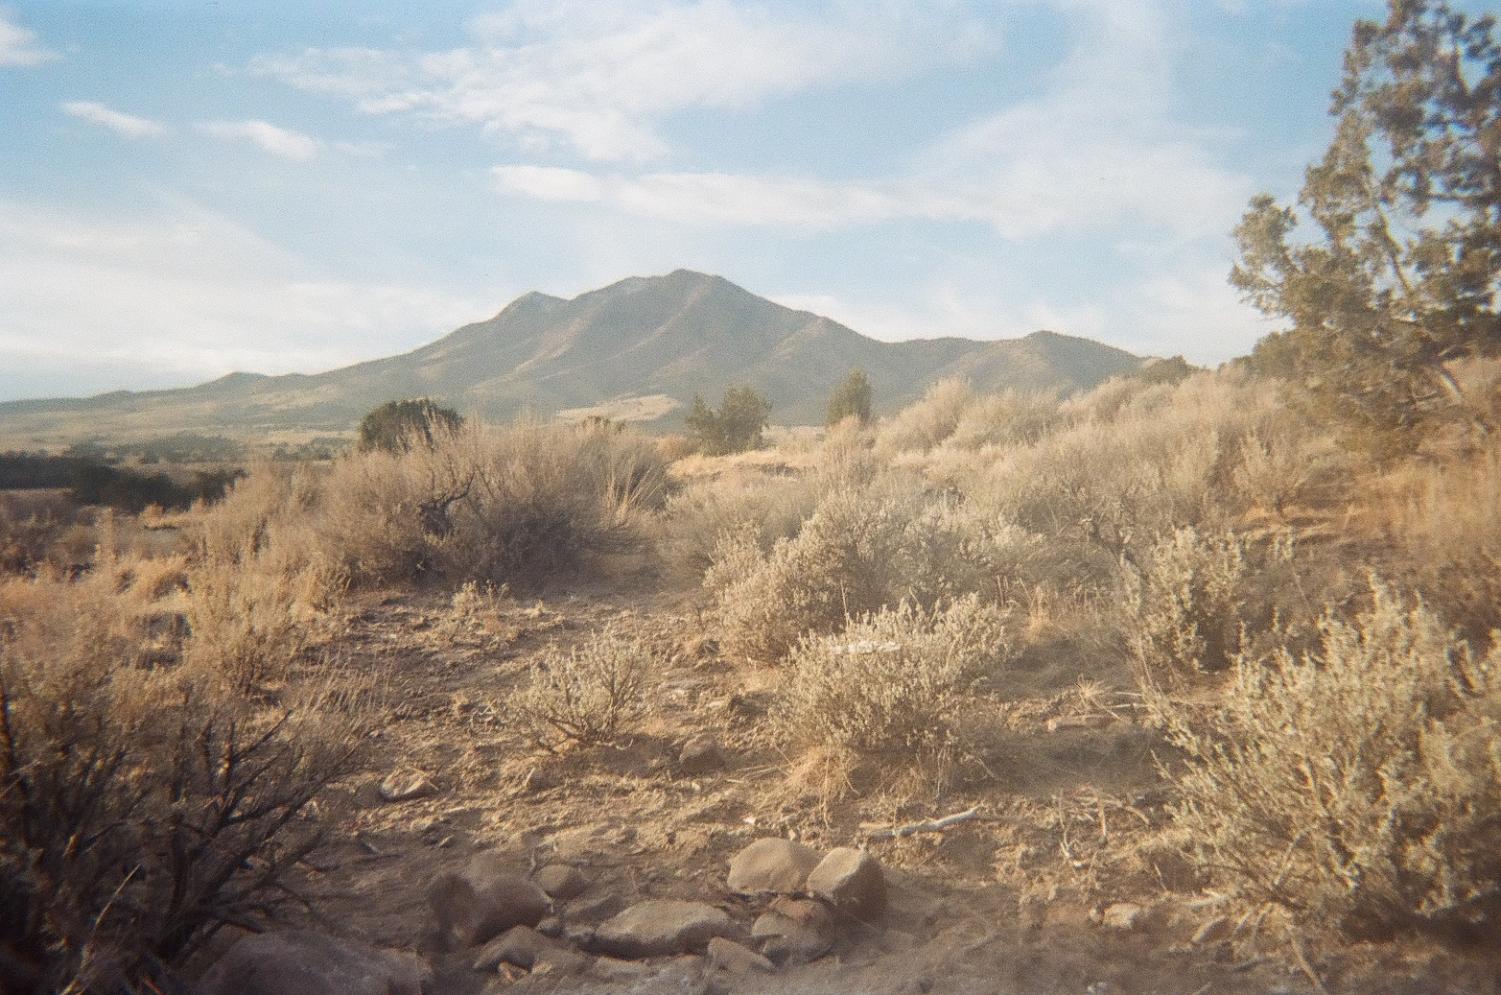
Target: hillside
[{"x": 645, "y": 344}]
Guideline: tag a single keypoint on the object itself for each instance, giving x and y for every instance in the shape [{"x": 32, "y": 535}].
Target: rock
[
  {"x": 727, "y": 955},
  {"x": 484, "y": 900},
  {"x": 658, "y": 927},
  {"x": 552, "y": 927},
  {"x": 561, "y": 881},
  {"x": 851, "y": 881},
  {"x": 406, "y": 785},
  {"x": 795, "y": 931},
  {"x": 298, "y": 962},
  {"x": 615, "y": 969},
  {"x": 595, "y": 909},
  {"x": 1212, "y": 931},
  {"x": 579, "y": 936},
  {"x": 518, "y": 945},
  {"x": 772, "y": 864},
  {"x": 1122, "y": 915},
  {"x": 701, "y": 754}
]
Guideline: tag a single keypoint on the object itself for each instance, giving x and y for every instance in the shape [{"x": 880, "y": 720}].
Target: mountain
[{"x": 640, "y": 348}]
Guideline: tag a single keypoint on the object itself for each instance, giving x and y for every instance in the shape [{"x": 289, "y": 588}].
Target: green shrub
[
  {"x": 737, "y": 425},
  {"x": 397, "y": 426},
  {"x": 851, "y": 399}
]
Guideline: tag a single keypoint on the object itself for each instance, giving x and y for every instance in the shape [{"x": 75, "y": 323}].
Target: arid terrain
[{"x": 1018, "y": 612}]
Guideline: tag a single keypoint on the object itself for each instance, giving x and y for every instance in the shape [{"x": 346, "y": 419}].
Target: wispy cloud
[
  {"x": 598, "y": 77},
  {"x": 1096, "y": 148},
  {"x": 19, "y": 47},
  {"x": 119, "y": 122},
  {"x": 268, "y": 137},
  {"x": 200, "y": 294}
]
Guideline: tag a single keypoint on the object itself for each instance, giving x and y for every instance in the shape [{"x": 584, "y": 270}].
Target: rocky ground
[{"x": 1054, "y": 881}]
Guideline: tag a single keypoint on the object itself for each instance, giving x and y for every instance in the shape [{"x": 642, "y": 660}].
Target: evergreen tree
[
  {"x": 737, "y": 425},
  {"x": 1400, "y": 277},
  {"x": 397, "y": 425},
  {"x": 851, "y": 399}
]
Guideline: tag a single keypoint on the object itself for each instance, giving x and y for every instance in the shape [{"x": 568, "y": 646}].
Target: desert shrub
[
  {"x": 1008, "y": 418},
  {"x": 590, "y": 694},
  {"x": 29, "y": 530},
  {"x": 927, "y": 422},
  {"x": 1444, "y": 520},
  {"x": 862, "y": 549},
  {"x": 139, "y": 813},
  {"x": 515, "y": 504},
  {"x": 399, "y": 425},
  {"x": 890, "y": 682},
  {"x": 131, "y": 837},
  {"x": 1186, "y": 605},
  {"x": 249, "y": 620},
  {"x": 1357, "y": 784},
  {"x": 270, "y": 497},
  {"x": 699, "y": 517}
]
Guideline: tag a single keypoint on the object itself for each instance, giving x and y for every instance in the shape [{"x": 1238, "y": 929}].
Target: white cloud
[
  {"x": 1097, "y": 148},
  {"x": 278, "y": 141},
  {"x": 190, "y": 297},
  {"x": 599, "y": 76},
  {"x": 18, "y": 46},
  {"x": 117, "y": 121}
]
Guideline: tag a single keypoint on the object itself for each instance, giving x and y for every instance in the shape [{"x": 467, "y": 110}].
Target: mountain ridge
[{"x": 665, "y": 336}]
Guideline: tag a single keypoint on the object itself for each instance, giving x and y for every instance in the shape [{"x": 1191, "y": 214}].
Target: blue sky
[{"x": 189, "y": 188}]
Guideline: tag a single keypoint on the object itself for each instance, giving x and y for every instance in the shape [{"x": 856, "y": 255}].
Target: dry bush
[
  {"x": 927, "y": 422},
  {"x": 591, "y": 694},
  {"x": 31, "y": 527},
  {"x": 699, "y": 517},
  {"x": 1009, "y": 418},
  {"x": 272, "y": 497},
  {"x": 513, "y": 504},
  {"x": 863, "y": 549},
  {"x": 890, "y": 682},
  {"x": 1358, "y": 784},
  {"x": 1186, "y": 606},
  {"x": 138, "y": 813},
  {"x": 250, "y": 620}
]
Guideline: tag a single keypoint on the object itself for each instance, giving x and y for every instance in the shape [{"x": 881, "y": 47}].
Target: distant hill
[{"x": 640, "y": 348}]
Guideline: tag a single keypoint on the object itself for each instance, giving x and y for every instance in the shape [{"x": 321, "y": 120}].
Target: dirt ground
[{"x": 1071, "y": 821}]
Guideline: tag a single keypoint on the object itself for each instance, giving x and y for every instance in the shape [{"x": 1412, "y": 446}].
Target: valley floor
[{"x": 1009, "y": 902}]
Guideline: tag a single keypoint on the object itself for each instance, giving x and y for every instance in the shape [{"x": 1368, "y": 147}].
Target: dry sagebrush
[
  {"x": 889, "y": 683},
  {"x": 514, "y": 504},
  {"x": 590, "y": 694},
  {"x": 1358, "y": 784}
]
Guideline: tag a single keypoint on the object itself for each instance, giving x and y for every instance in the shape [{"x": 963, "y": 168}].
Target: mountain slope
[{"x": 673, "y": 335}]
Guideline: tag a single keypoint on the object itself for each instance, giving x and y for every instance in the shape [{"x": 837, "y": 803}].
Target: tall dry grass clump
[
  {"x": 1356, "y": 784},
  {"x": 890, "y": 683},
  {"x": 260, "y": 589},
  {"x": 514, "y": 504}
]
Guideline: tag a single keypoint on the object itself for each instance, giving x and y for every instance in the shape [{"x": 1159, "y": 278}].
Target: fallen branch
[{"x": 930, "y": 826}]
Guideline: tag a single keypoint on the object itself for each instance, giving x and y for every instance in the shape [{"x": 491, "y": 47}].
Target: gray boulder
[
  {"x": 299, "y": 962},
  {"x": 771, "y": 865},
  {"x": 851, "y": 881},
  {"x": 660, "y": 927},
  {"x": 483, "y": 901}
]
